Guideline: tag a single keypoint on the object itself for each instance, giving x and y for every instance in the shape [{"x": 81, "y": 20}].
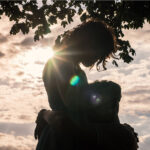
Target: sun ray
[{"x": 61, "y": 58}]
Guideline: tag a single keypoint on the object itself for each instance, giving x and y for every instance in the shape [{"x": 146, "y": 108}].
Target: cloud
[
  {"x": 138, "y": 90},
  {"x": 21, "y": 100},
  {"x": 27, "y": 42},
  {"x": 2, "y": 54},
  {"x": 145, "y": 145},
  {"x": 18, "y": 129},
  {"x": 4, "y": 81},
  {"x": 8, "y": 148},
  {"x": 3, "y": 39},
  {"x": 141, "y": 33},
  {"x": 11, "y": 142},
  {"x": 143, "y": 113},
  {"x": 47, "y": 41},
  {"x": 20, "y": 73}
]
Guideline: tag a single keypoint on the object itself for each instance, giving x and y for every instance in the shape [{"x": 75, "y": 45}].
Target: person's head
[
  {"x": 103, "y": 100},
  {"x": 91, "y": 42}
]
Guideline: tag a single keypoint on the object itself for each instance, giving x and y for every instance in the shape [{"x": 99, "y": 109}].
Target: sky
[{"x": 22, "y": 92}]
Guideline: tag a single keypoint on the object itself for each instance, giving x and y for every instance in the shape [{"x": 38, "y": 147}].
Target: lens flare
[
  {"x": 74, "y": 80},
  {"x": 96, "y": 99},
  {"x": 51, "y": 54}
]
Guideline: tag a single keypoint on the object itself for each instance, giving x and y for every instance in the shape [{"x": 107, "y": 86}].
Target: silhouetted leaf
[
  {"x": 64, "y": 23},
  {"x": 114, "y": 63}
]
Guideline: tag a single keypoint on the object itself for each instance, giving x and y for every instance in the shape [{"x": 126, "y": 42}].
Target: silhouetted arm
[{"x": 56, "y": 76}]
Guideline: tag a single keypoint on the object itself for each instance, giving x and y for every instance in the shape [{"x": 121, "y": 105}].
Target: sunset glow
[{"x": 33, "y": 61}]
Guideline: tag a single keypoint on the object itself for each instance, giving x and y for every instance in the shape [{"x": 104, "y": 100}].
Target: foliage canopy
[{"x": 28, "y": 15}]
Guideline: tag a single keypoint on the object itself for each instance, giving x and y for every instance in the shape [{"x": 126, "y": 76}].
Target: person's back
[
  {"x": 103, "y": 130},
  {"x": 64, "y": 134}
]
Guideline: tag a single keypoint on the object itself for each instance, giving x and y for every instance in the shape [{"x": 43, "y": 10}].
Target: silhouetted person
[
  {"x": 103, "y": 130},
  {"x": 69, "y": 53},
  {"x": 90, "y": 43}
]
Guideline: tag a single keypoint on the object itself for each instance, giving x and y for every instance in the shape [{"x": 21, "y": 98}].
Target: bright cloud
[{"x": 11, "y": 142}]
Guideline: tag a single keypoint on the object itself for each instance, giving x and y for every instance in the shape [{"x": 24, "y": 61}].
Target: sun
[
  {"x": 33, "y": 61},
  {"x": 51, "y": 53},
  {"x": 40, "y": 54},
  {"x": 43, "y": 53},
  {"x": 46, "y": 53}
]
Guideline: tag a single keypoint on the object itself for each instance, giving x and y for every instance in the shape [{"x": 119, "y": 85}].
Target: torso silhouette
[
  {"x": 56, "y": 76},
  {"x": 72, "y": 131},
  {"x": 64, "y": 134}
]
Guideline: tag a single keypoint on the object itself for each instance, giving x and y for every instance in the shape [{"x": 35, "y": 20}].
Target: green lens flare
[
  {"x": 97, "y": 100},
  {"x": 74, "y": 80}
]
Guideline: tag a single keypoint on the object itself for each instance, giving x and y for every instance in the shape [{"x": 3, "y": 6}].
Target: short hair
[
  {"x": 110, "y": 88},
  {"x": 103, "y": 100},
  {"x": 90, "y": 36}
]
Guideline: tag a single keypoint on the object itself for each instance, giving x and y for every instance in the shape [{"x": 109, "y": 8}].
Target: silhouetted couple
[{"x": 83, "y": 116}]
